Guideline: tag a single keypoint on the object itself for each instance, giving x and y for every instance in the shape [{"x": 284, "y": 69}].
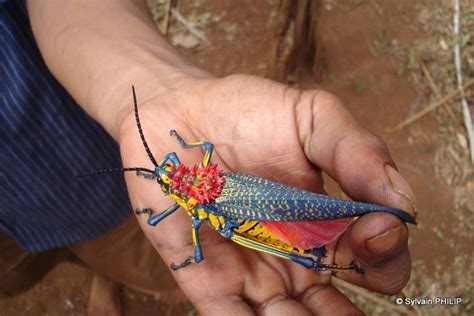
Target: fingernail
[
  {"x": 384, "y": 242},
  {"x": 401, "y": 186}
]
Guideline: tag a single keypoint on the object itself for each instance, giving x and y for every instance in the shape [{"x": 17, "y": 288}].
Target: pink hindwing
[{"x": 306, "y": 235}]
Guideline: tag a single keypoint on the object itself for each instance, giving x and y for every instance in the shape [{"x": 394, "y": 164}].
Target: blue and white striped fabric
[{"x": 45, "y": 139}]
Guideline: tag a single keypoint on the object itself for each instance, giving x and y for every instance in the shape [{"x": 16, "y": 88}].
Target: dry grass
[{"x": 429, "y": 62}]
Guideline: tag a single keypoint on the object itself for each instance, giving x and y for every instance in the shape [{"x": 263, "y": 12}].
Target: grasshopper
[{"x": 251, "y": 211}]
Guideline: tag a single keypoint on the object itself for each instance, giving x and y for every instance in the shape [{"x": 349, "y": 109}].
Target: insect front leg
[
  {"x": 208, "y": 147},
  {"x": 198, "y": 256},
  {"x": 173, "y": 157},
  {"x": 155, "y": 219}
]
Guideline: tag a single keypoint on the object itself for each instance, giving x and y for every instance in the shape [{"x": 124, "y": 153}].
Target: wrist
[
  {"x": 98, "y": 59},
  {"x": 153, "y": 82}
]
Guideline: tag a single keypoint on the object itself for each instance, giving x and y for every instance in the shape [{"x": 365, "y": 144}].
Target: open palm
[{"x": 270, "y": 130}]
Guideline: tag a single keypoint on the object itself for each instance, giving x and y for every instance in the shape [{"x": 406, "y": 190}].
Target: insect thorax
[{"x": 200, "y": 183}]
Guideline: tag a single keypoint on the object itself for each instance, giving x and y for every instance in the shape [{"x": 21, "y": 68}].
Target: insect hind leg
[
  {"x": 208, "y": 147},
  {"x": 304, "y": 261},
  {"x": 319, "y": 253}
]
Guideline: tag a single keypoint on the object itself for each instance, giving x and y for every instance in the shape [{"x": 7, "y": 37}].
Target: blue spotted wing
[
  {"x": 301, "y": 218},
  {"x": 250, "y": 197}
]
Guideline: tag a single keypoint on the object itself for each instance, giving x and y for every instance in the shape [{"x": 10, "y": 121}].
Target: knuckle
[
  {"x": 374, "y": 140},
  {"x": 390, "y": 277},
  {"x": 318, "y": 103},
  {"x": 271, "y": 302},
  {"x": 397, "y": 284},
  {"x": 314, "y": 291}
]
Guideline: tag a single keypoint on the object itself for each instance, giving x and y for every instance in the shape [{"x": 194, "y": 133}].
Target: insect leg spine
[{"x": 255, "y": 231}]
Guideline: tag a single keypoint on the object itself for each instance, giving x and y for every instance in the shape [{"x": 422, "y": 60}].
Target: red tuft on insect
[{"x": 201, "y": 183}]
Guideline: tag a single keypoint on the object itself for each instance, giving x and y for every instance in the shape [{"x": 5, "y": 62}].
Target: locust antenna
[
  {"x": 140, "y": 131},
  {"x": 101, "y": 171}
]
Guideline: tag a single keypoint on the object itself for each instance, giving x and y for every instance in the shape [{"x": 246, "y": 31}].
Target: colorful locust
[{"x": 253, "y": 212}]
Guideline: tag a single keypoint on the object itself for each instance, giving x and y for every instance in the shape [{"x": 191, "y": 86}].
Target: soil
[{"x": 377, "y": 93}]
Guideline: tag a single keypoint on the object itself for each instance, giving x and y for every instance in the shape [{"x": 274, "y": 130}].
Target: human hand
[
  {"x": 271, "y": 130},
  {"x": 258, "y": 126}
]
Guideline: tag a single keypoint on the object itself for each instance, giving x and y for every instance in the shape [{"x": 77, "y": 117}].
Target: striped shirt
[{"x": 45, "y": 139}]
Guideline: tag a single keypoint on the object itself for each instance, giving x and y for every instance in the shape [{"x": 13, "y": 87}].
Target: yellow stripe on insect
[
  {"x": 214, "y": 220},
  {"x": 255, "y": 246},
  {"x": 202, "y": 214}
]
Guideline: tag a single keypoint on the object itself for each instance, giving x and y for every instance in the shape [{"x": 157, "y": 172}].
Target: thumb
[
  {"x": 356, "y": 159},
  {"x": 359, "y": 161}
]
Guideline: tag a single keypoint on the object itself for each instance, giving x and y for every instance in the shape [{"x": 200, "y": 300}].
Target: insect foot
[
  {"x": 347, "y": 268},
  {"x": 186, "y": 262},
  {"x": 143, "y": 211},
  {"x": 180, "y": 139}
]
